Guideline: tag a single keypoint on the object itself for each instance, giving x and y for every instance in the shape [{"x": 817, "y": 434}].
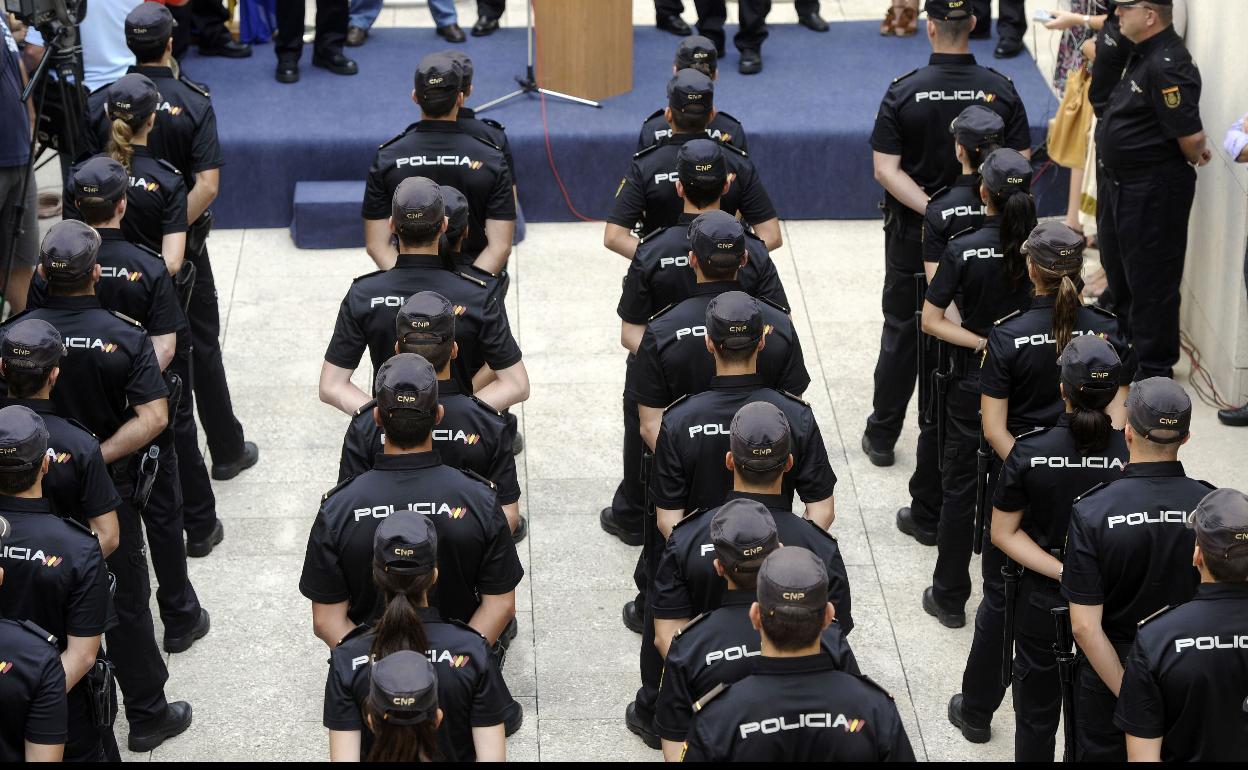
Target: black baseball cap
[
  {"x": 691, "y": 91},
  {"x": 792, "y": 580},
  {"x": 1090, "y": 366},
  {"x": 407, "y": 382},
  {"x": 403, "y": 688},
  {"x": 455, "y": 208},
  {"x": 149, "y": 23},
  {"x": 417, "y": 200},
  {"x": 132, "y": 97},
  {"x": 436, "y": 73},
  {"x": 1006, "y": 171},
  {"x": 743, "y": 533},
  {"x": 1160, "y": 410},
  {"x": 1055, "y": 246},
  {"x": 69, "y": 251},
  {"x": 406, "y": 543},
  {"x": 464, "y": 63},
  {"x": 734, "y": 320},
  {"x": 977, "y": 126},
  {"x": 23, "y": 439},
  {"x": 32, "y": 345},
  {"x": 698, "y": 53},
  {"x": 760, "y": 439},
  {"x": 1221, "y": 523},
  {"x": 100, "y": 177},
  {"x": 718, "y": 239},
  {"x": 948, "y": 10},
  {"x": 701, "y": 161},
  {"x": 428, "y": 315}
]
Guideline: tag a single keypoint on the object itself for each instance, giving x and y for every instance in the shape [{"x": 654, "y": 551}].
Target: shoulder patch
[
  {"x": 39, "y": 632},
  {"x": 486, "y": 142},
  {"x": 125, "y": 318},
  {"x": 774, "y": 304},
  {"x": 365, "y": 408},
  {"x": 494, "y": 123},
  {"x": 1000, "y": 74},
  {"x": 337, "y": 488},
  {"x": 478, "y": 477},
  {"x": 689, "y": 625},
  {"x": 168, "y": 166},
  {"x": 1098, "y": 487},
  {"x": 715, "y": 692},
  {"x": 644, "y": 150},
  {"x": 695, "y": 513},
  {"x": 198, "y": 88},
  {"x": 661, "y": 312},
  {"x": 675, "y": 403},
  {"x": 366, "y": 275},
  {"x": 359, "y": 630},
  {"x": 464, "y": 626},
  {"x": 1000, "y": 321},
  {"x": 903, "y": 77},
  {"x": 868, "y": 680},
  {"x": 795, "y": 397},
  {"x": 471, "y": 279},
  {"x": 485, "y": 406},
  {"x": 1032, "y": 432},
  {"x": 1155, "y": 615}
]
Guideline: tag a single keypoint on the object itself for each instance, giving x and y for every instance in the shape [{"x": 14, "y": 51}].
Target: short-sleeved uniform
[
  {"x": 722, "y": 128},
  {"x": 447, "y": 153},
  {"x": 717, "y": 647},
  {"x": 950, "y": 211},
  {"x": 1186, "y": 678},
  {"x": 686, "y": 585},
  {"x": 798, "y": 710},
  {"x": 155, "y": 200},
  {"x": 472, "y": 435},
  {"x": 647, "y": 199},
  {"x": 973, "y": 273},
  {"x": 471, "y": 690},
  {"x": 672, "y": 359},
  {"x": 475, "y": 552},
  {"x": 490, "y": 130},
  {"x": 1130, "y": 551},
  {"x": 32, "y": 690},
  {"x": 1112, "y": 52},
  {"x": 367, "y": 315}
]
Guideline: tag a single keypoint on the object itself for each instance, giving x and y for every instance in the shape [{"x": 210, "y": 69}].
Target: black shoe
[
  {"x": 1008, "y": 49},
  {"x": 972, "y": 733},
  {"x": 177, "y": 718},
  {"x": 484, "y": 27},
  {"x": 813, "y": 22},
  {"x": 522, "y": 531},
  {"x": 251, "y": 452},
  {"x": 880, "y": 458},
  {"x": 514, "y": 719},
  {"x": 947, "y": 619},
  {"x": 517, "y": 444},
  {"x": 356, "y": 36},
  {"x": 751, "y": 63},
  {"x": 175, "y": 644},
  {"x": 633, "y": 618},
  {"x": 451, "y": 33},
  {"x": 198, "y": 549},
  {"x": 642, "y": 728},
  {"x": 612, "y": 526},
  {"x": 230, "y": 49},
  {"x": 1236, "y": 418},
  {"x": 907, "y": 525},
  {"x": 675, "y": 25},
  {"x": 287, "y": 72},
  {"x": 337, "y": 64}
]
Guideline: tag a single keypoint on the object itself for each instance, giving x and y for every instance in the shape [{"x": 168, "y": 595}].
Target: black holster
[
  {"x": 922, "y": 350},
  {"x": 647, "y": 468},
  {"x": 197, "y": 235},
  {"x": 149, "y": 464},
  {"x": 941, "y": 379},
  {"x": 1064, "y": 650},
  {"x": 1012, "y": 574},
  {"x": 983, "y": 470},
  {"x": 99, "y": 684},
  {"x": 184, "y": 284},
  {"x": 175, "y": 385}
]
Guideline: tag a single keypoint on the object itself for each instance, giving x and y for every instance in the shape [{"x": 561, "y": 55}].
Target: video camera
[{"x": 41, "y": 13}]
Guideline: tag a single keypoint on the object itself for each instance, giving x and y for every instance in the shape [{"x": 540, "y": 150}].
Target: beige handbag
[{"x": 1068, "y": 131}]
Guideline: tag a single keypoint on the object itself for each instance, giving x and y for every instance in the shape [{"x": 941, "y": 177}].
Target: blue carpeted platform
[{"x": 808, "y": 115}]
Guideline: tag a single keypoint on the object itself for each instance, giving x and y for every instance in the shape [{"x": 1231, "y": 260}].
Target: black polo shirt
[
  {"x": 1156, "y": 102},
  {"x": 475, "y": 551},
  {"x": 367, "y": 315},
  {"x": 1044, "y": 474},
  {"x": 914, "y": 117},
  {"x": 685, "y": 584},
  {"x": 798, "y": 710},
  {"x": 472, "y": 435},
  {"x": 659, "y": 274},
  {"x": 1186, "y": 679},
  {"x": 952, "y": 210},
  {"x": 647, "y": 193},
  {"x": 1129, "y": 547},
  {"x": 32, "y": 690},
  {"x": 471, "y": 690},
  {"x": 722, "y": 128},
  {"x": 445, "y": 152},
  {"x": 155, "y": 200},
  {"x": 1020, "y": 362},
  {"x": 672, "y": 359},
  {"x": 490, "y": 130},
  {"x": 689, "y": 470},
  {"x": 973, "y": 273},
  {"x": 717, "y": 647}
]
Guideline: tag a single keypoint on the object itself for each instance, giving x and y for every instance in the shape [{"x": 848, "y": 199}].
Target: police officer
[
  {"x": 331, "y": 33},
  {"x": 477, "y": 563},
  {"x": 752, "y": 30},
  {"x": 1128, "y": 555},
  {"x": 439, "y": 148},
  {"x": 472, "y": 434},
  {"x": 77, "y": 485},
  {"x": 451, "y": 244},
  {"x": 472, "y": 694},
  {"x": 402, "y": 709},
  {"x": 977, "y": 131},
  {"x": 984, "y": 274},
  {"x": 487, "y": 128},
  {"x": 1047, "y": 469},
  {"x": 829, "y": 715},
  {"x": 697, "y": 53},
  {"x": 111, "y": 383},
  {"x": 1185, "y": 679},
  {"x": 367, "y": 315},
  {"x": 56, "y": 576},
  {"x": 646, "y": 198},
  {"x": 717, "y": 646},
  {"x": 1148, "y": 140}
]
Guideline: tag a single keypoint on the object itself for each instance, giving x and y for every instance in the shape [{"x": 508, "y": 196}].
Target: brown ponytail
[
  {"x": 119, "y": 143},
  {"x": 1066, "y": 308},
  {"x": 401, "y": 743},
  {"x": 1089, "y": 423},
  {"x": 400, "y": 627}
]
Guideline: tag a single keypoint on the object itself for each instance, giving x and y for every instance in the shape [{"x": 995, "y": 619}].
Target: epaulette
[
  {"x": 690, "y": 625},
  {"x": 1155, "y": 615},
  {"x": 39, "y": 632},
  {"x": 125, "y": 318},
  {"x": 80, "y": 427},
  {"x": 688, "y": 517},
  {"x": 486, "y": 142},
  {"x": 645, "y": 150},
  {"x": 485, "y": 406},
  {"x": 1008, "y": 79},
  {"x": 365, "y": 408},
  {"x": 868, "y": 680},
  {"x": 715, "y": 692},
  {"x": 1100, "y": 485},
  {"x": 653, "y": 233},
  {"x": 337, "y": 487},
  {"x": 775, "y": 304},
  {"x": 821, "y": 530},
  {"x": 661, "y": 312},
  {"x": 1032, "y": 432},
  {"x": 795, "y": 397},
  {"x": 1206, "y": 483},
  {"x": 470, "y": 279},
  {"x": 939, "y": 193},
  {"x": 1101, "y": 310},
  {"x": 903, "y": 77},
  {"x": 149, "y": 250},
  {"x": 17, "y": 316},
  {"x": 494, "y": 123},
  {"x": 675, "y": 403},
  {"x": 656, "y": 114},
  {"x": 198, "y": 88},
  {"x": 734, "y": 148},
  {"x": 359, "y": 630},
  {"x": 967, "y": 231},
  {"x": 478, "y": 477},
  {"x": 723, "y": 114},
  {"x": 464, "y": 626},
  {"x": 367, "y": 275},
  {"x": 396, "y": 137},
  {"x": 78, "y": 525},
  {"x": 168, "y": 166},
  {"x": 1000, "y": 321}
]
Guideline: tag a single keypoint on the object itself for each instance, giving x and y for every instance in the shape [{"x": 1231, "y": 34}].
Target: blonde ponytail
[{"x": 119, "y": 143}]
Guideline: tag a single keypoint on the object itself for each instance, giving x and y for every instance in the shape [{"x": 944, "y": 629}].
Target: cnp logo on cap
[
  {"x": 434, "y": 81},
  {"x": 415, "y": 214}
]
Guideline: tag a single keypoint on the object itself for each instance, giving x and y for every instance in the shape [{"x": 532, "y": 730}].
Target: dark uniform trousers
[
  {"x": 752, "y": 22},
  {"x": 629, "y": 502},
  {"x": 199, "y": 504},
  {"x": 162, "y": 518},
  {"x": 206, "y": 18},
  {"x": 491, "y": 9},
  {"x": 951, "y": 579},
  {"x": 1142, "y": 219},
  {"x": 982, "y": 691},
  {"x": 1037, "y": 691},
  {"x": 1011, "y": 23},
  {"x": 331, "y": 28},
  {"x": 1098, "y": 738},
  {"x": 212, "y": 392},
  {"x": 651, "y": 662}
]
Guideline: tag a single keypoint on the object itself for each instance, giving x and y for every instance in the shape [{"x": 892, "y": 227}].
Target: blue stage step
[{"x": 327, "y": 215}]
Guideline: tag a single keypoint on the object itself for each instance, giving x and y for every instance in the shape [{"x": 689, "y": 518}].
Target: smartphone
[{"x": 1043, "y": 16}]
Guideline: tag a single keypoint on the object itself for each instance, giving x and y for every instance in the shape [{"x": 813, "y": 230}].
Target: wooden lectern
[{"x": 584, "y": 47}]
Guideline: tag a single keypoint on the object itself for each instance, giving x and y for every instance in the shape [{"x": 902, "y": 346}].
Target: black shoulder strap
[
  {"x": 903, "y": 77},
  {"x": 39, "y": 632},
  {"x": 494, "y": 123},
  {"x": 478, "y": 477},
  {"x": 168, "y": 166},
  {"x": 337, "y": 488},
  {"x": 198, "y": 88},
  {"x": 690, "y": 625},
  {"x": 673, "y": 405},
  {"x": 773, "y": 303},
  {"x": 359, "y": 630},
  {"x": 644, "y": 150},
  {"x": 1000, "y": 321},
  {"x": 365, "y": 408},
  {"x": 714, "y": 693},
  {"x": 1098, "y": 487},
  {"x": 485, "y": 406},
  {"x": 125, "y": 318},
  {"x": 471, "y": 279}
]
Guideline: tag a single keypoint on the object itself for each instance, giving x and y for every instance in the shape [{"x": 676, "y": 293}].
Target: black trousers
[
  {"x": 629, "y": 503},
  {"x": 162, "y": 519},
  {"x": 1036, "y": 688},
  {"x": 1011, "y": 25},
  {"x": 650, "y": 660},
  {"x": 83, "y": 739},
  {"x": 982, "y": 691},
  {"x": 206, "y": 18},
  {"x": 491, "y": 9},
  {"x": 212, "y": 392},
  {"x": 1099, "y": 739},
  {"x": 139, "y": 665},
  {"x": 1142, "y": 219},
  {"x": 199, "y": 504},
  {"x": 752, "y": 22},
  {"x": 676, "y": 7},
  {"x": 331, "y": 30},
  {"x": 951, "y": 579}
]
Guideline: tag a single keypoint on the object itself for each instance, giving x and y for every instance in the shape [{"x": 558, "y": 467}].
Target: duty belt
[{"x": 962, "y": 362}]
